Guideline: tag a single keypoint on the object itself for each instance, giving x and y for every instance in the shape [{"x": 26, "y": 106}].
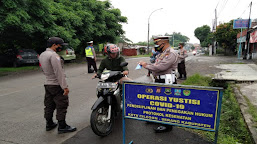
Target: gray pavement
[
  {"x": 245, "y": 77},
  {"x": 21, "y": 105},
  {"x": 237, "y": 72}
]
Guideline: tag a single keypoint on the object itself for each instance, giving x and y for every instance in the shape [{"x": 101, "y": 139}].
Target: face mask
[
  {"x": 160, "y": 47},
  {"x": 59, "y": 49}
]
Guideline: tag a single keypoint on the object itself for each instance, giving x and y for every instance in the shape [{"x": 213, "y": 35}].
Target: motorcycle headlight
[{"x": 105, "y": 76}]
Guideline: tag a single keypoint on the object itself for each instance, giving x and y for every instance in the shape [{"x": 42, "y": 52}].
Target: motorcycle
[{"x": 109, "y": 102}]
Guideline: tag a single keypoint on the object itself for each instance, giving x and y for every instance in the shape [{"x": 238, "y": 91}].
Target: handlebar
[{"x": 119, "y": 73}]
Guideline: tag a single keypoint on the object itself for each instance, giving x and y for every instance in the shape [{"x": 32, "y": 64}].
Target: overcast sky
[{"x": 182, "y": 16}]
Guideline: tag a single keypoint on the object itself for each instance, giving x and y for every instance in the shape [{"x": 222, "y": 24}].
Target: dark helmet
[{"x": 111, "y": 49}]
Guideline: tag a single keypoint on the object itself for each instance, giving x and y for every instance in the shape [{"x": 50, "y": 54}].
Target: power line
[
  {"x": 235, "y": 7},
  {"x": 244, "y": 11},
  {"x": 223, "y": 7},
  {"x": 236, "y": 4}
]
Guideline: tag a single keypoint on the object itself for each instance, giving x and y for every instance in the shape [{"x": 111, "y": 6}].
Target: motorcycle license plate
[{"x": 106, "y": 85}]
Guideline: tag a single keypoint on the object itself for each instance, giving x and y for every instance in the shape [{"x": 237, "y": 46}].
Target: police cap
[
  {"x": 159, "y": 38},
  {"x": 55, "y": 40}
]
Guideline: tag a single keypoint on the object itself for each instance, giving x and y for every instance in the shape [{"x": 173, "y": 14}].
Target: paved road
[
  {"x": 21, "y": 105},
  {"x": 22, "y": 121}
]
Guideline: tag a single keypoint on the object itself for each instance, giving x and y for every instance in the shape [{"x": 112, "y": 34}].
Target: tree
[
  {"x": 202, "y": 33},
  {"x": 209, "y": 40},
  {"x": 21, "y": 21},
  {"x": 28, "y": 24},
  {"x": 178, "y": 38},
  {"x": 122, "y": 39},
  {"x": 226, "y": 36}
]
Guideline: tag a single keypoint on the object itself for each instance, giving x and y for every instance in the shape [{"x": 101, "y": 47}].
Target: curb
[{"x": 247, "y": 116}]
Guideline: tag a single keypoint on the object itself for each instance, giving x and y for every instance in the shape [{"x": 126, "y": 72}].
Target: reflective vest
[{"x": 89, "y": 52}]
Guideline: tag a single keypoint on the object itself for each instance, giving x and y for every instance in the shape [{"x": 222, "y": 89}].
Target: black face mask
[
  {"x": 160, "y": 47},
  {"x": 157, "y": 48},
  {"x": 58, "y": 49}
]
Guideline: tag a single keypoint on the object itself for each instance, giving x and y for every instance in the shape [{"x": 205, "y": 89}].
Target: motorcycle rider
[{"x": 112, "y": 62}]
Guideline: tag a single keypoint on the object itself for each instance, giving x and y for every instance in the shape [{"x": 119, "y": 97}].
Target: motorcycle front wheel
[{"x": 99, "y": 123}]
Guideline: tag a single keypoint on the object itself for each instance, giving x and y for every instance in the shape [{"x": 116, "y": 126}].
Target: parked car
[
  {"x": 67, "y": 54},
  {"x": 20, "y": 57}
]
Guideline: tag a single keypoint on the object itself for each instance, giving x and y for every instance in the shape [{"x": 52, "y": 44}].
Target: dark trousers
[
  {"x": 182, "y": 69},
  {"x": 54, "y": 99},
  {"x": 91, "y": 62}
]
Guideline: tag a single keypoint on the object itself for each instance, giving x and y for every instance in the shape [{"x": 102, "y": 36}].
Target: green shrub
[
  {"x": 232, "y": 128},
  {"x": 198, "y": 80}
]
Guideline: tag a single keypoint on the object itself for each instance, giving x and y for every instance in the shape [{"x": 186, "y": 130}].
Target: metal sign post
[
  {"x": 239, "y": 24},
  {"x": 240, "y": 47}
]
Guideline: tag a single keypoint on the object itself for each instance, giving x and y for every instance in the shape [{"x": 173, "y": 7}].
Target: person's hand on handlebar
[
  {"x": 125, "y": 72},
  {"x": 94, "y": 76}
]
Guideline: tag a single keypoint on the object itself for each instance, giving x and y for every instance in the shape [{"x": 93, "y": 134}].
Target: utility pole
[
  {"x": 248, "y": 34},
  {"x": 214, "y": 50}
]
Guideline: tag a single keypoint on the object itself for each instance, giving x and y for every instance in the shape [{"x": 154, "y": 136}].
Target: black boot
[
  {"x": 50, "y": 125},
  {"x": 184, "y": 78},
  {"x": 64, "y": 128}
]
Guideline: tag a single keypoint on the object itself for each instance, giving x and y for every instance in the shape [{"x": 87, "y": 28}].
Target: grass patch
[
  {"x": 232, "y": 127},
  {"x": 198, "y": 80},
  {"x": 5, "y": 70}
]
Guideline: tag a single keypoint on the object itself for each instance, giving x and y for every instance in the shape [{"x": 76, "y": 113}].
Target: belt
[
  {"x": 163, "y": 76},
  {"x": 160, "y": 77}
]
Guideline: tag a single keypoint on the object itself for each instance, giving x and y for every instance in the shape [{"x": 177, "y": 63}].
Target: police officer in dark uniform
[
  {"x": 166, "y": 62},
  {"x": 56, "y": 88}
]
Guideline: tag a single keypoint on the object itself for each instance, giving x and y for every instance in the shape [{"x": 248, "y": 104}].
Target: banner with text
[
  {"x": 241, "y": 23},
  {"x": 194, "y": 107}
]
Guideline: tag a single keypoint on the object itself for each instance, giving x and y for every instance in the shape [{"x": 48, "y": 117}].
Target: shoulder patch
[{"x": 58, "y": 58}]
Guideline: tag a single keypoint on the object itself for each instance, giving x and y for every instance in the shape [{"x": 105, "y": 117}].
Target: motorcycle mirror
[{"x": 123, "y": 64}]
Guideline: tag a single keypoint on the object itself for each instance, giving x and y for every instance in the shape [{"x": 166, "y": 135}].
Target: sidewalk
[{"x": 245, "y": 77}]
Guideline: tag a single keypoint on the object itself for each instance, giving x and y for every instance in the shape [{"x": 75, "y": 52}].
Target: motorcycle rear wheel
[{"x": 100, "y": 126}]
